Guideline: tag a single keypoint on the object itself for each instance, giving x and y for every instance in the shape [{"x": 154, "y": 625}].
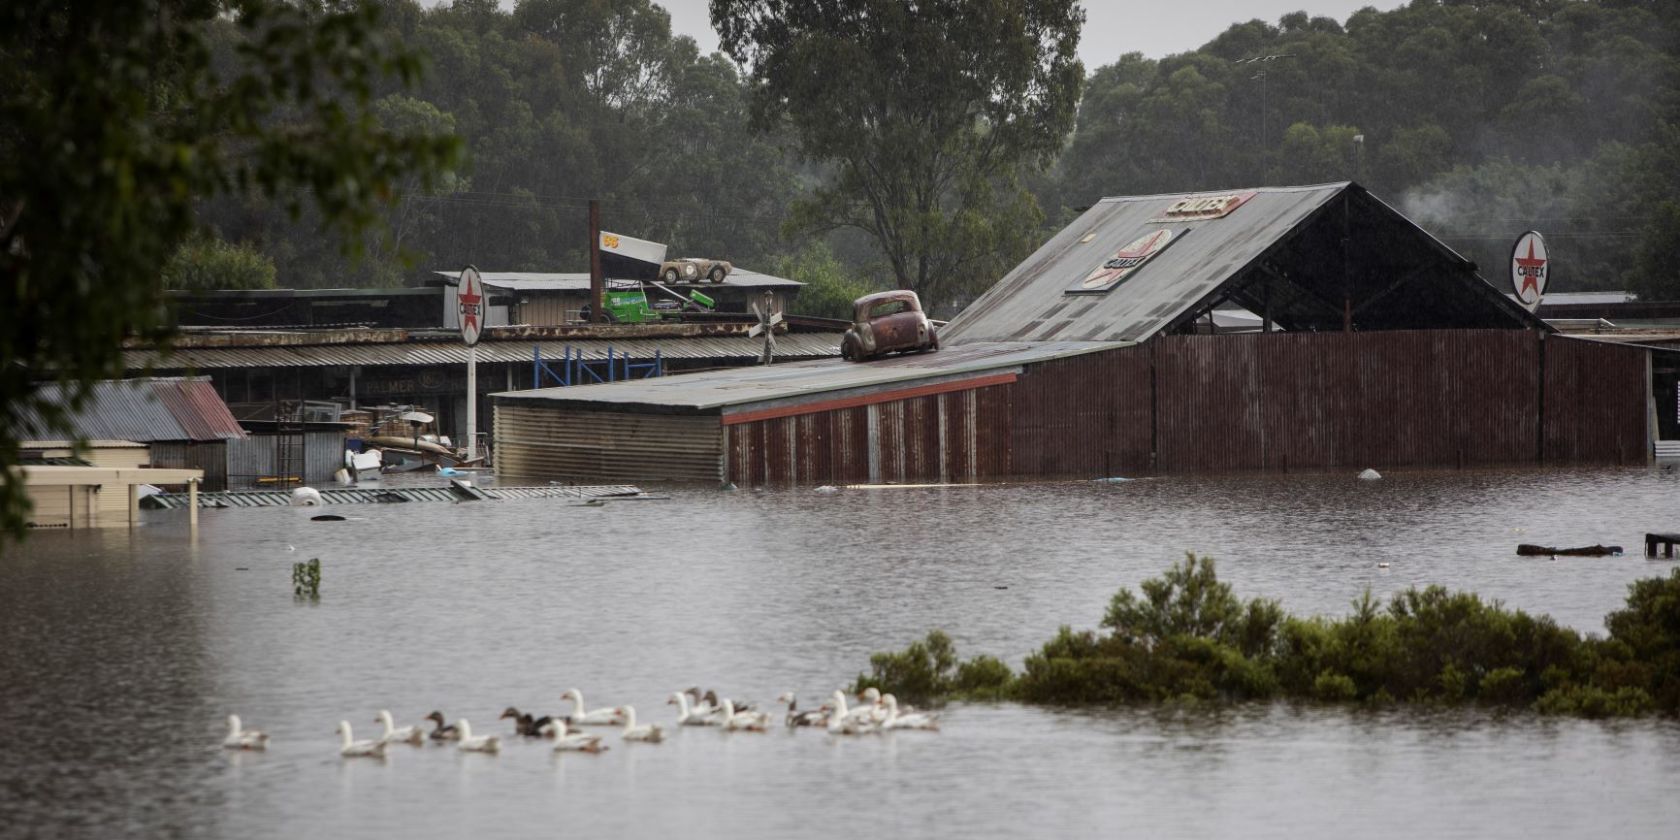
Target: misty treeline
[{"x": 1479, "y": 119}]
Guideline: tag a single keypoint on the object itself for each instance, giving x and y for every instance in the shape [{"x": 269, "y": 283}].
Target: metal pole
[
  {"x": 472, "y": 401},
  {"x": 192, "y": 504},
  {"x": 597, "y": 280}
]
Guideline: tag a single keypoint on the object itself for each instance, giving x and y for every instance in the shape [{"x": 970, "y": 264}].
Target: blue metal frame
[{"x": 576, "y": 370}]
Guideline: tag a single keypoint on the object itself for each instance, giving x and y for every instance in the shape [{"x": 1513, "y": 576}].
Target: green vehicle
[{"x": 631, "y": 306}]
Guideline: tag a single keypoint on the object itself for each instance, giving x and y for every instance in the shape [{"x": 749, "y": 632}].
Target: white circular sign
[
  {"x": 469, "y": 298},
  {"x": 1529, "y": 267}
]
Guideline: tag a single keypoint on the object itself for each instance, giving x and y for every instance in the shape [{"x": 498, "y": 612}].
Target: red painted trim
[{"x": 870, "y": 399}]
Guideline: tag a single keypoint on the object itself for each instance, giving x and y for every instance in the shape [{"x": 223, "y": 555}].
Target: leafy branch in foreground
[{"x": 1187, "y": 638}]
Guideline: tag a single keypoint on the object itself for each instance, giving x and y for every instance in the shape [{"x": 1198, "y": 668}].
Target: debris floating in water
[
  {"x": 826, "y": 488},
  {"x": 1383, "y": 565},
  {"x": 1113, "y": 480},
  {"x": 1370, "y": 475}
]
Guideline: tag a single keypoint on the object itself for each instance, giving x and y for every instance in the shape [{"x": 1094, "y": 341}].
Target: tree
[
  {"x": 115, "y": 120},
  {"x": 927, "y": 114},
  {"x": 203, "y": 263}
]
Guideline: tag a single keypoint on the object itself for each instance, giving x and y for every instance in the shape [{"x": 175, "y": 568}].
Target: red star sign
[
  {"x": 1531, "y": 268},
  {"x": 469, "y": 306}
]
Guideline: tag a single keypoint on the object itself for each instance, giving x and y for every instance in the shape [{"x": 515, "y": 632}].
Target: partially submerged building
[
  {"x": 179, "y": 423},
  {"x": 1101, "y": 355}
]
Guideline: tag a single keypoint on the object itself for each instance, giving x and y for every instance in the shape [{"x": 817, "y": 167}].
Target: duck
[
  {"x": 711, "y": 699},
  {"x": 842, "y": 721},
  {"x": 912, "y": 720},
  {"x": 699, "y": 705},
  {"x": 876, "y": 710},
  {"x": 580, "y": 716},
  {"x": 565, "y": 741},
  {"x": 734, "y": 721},
  {"x": 349, "y": 747},
  {"x": 240, "y": 738},
  {"x": 810, "y": 717},
  {"x": 483, "y": 743},
  {"x": 524, "y": 724},
  {"x": 442, "y": 731},
  {"x": 687, "y": 716},
  {"x": 647, "y": 732},
  {"x": 395, "y": 735}
]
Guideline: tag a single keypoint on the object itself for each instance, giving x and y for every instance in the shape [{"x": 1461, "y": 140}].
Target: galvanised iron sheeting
[
  {"x": 533, "y": 441},
  {"x": 1311, "y": 256},
  {"x": 145, "y": 410},
  {"x": 254, "y": 458},
  {"x": 366, "y": 495},
  {"x": 747, "y": 388},
  {"x": 931, "y": 438},
  {"x": 791, "y": 346},
  {"x": 1088, "y": 416},
  {"x": 538, "y": 281},
  {"x": 199, "y": 409},
  {"x": 211, "y": 457},
  {"x": 1589, "y": 386}
]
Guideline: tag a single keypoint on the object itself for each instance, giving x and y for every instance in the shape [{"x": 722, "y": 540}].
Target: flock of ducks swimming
[{"x": 877, "y": 712}]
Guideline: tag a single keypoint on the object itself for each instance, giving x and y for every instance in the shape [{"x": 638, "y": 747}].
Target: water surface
[{"x": 120, "y": 654}]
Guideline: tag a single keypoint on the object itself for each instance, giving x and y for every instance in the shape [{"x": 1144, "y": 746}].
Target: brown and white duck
[{"x": 443, "y": 731}]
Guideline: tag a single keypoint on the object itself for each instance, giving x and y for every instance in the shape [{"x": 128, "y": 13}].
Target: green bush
[{"x": 1188, "y": 638}]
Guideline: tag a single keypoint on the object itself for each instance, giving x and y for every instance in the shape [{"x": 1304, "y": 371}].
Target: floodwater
[{"x": 120, "y": 655}]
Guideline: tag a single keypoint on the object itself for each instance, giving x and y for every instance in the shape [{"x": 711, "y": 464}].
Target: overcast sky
[{"x": 1113, "y": 27}]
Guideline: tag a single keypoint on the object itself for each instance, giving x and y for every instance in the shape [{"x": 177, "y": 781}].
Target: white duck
[
  {"x": 874, "y": 706},
  {"x": 404, "y": 735},
  {"x": 483, "y": 743},
  {"x": 351, "y": 748},
  {"x": 239, "y": 738},
  {"x": 848, "y": 722},
  {"x": 609, "y": 716},
  {"x": 734, "y": 721},
  {"x": 911, "y": 720},
  {"x": 565, "y": 741},
  {"x": 809, "y": 717},
  {"x": 688, "y": 716},
  {"x": 646, "y": 732}
]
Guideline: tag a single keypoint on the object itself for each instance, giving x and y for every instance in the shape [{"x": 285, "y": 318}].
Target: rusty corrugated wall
[
  {"x": 188, "y": 455},
  {"x": 533, "y": 442},
  {"x": 1587, "y": 417},
  {"x": 1215, "y": 403}
]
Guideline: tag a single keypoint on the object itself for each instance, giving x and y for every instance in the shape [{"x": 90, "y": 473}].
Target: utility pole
[{"x": 597, "y": 280}]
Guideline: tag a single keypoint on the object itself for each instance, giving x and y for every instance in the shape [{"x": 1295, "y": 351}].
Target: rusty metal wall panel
[
  {"x": 1596, "y": 402},
  {"x": 534, "y": 442},
  {"x": 211, "y": 457},
  {"x": 1083, "y": 416},
  {"x": 1207, "y": 403}
]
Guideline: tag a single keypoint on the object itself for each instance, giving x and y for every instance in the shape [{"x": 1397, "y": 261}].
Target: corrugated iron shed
[
  {"x": 1315, "y": 258},
  {"x": 535, "y": 281},
  {"x": 146, "y": 410},
  {"x": 713, "y": 391},
  {"x": 792, "y": 346}
]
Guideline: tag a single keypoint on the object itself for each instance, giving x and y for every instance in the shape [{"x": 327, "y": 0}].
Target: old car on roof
[
  {"x": 694, "y": 269},
  {"x": 888, "y": 322}
]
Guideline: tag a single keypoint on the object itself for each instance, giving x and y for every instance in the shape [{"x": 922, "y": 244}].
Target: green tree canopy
[
  {"x": 204, "y": 263},
  {"x": 926, "y": 114},
  {"x": 115, "y": 118}
]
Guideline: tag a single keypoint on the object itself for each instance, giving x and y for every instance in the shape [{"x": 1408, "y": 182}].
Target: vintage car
[
  {"x": 692, "y": 269},
  {"x": 887, "y": 322}
]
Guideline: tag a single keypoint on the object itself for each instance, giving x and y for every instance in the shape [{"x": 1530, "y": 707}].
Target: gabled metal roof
[
  {"x": 1312, "y": 256},
  {"x": 791, "y": 346},
  {"x": 145, "y": 410}
]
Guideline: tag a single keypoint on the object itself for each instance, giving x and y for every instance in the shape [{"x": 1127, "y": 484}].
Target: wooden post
[
  {"x": 597, "y": 280},
  {"x": 133, "y": 504},
  {"x": 192, "y": 504}
]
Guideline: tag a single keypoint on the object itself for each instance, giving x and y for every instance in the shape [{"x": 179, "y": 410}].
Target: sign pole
[
  {"x": 472, "y": 401},
  {"x": 470, "y": 299}
]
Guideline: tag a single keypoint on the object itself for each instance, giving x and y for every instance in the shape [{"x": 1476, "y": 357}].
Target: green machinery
[{"x": 631, "y": 305}]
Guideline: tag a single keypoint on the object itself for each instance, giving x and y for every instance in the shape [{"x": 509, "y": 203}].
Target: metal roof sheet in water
[
  {"x": 711, "y": 391},
  {"x": 791, "y": 346},
  {"x": 370, "y": 495}
]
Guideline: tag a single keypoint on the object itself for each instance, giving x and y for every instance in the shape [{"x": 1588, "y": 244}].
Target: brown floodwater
[{"x": 120, "y": 655}]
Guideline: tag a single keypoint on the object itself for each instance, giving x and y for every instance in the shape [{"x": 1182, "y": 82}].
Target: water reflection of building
[{"x": 1279, "y": 328}]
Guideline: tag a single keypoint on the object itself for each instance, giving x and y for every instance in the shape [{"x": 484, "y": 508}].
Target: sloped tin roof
[
  {"x": 1031, "y": 303},
  {"x": 146, "y": 410}
]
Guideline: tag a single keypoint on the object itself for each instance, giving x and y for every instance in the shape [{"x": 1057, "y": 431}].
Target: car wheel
[
  {"x": 716, "y": 274},
  {"x": 670, "y": 275}
]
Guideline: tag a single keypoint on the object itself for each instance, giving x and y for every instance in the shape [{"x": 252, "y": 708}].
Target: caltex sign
[
  {"x": 1125, "y": 261},
  {"x": 1529, "y": 267},
  {"x": 470, "y": 299}
]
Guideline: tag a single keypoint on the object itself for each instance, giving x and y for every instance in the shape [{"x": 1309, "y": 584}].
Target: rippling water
[{"x": 120, "y": 655}]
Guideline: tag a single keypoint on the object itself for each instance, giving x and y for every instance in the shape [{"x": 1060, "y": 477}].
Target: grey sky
[{"x": 1114, "y": 27}]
